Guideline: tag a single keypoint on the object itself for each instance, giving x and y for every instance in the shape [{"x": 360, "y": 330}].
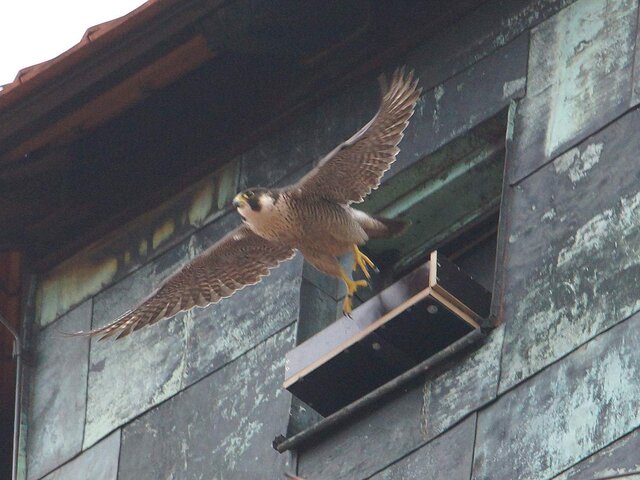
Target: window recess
[{"x": 433, "y": 292}]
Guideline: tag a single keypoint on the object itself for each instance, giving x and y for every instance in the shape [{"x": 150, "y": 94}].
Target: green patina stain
[{"x": 593, "y": 44}]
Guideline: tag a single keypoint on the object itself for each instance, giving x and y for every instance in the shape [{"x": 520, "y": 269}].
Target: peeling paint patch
[
  {"x": 549, "y": 215},
  {"x": 510, "y": 88},
  {"x": 598, "y": 235},
  {"x": 576, "y": 163},
  {"x": 227, "y": 186},
  {"x": 143, "y": 247}
]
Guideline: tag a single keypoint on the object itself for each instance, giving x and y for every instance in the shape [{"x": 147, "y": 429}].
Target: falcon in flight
[{"x": 313, "y": 216}]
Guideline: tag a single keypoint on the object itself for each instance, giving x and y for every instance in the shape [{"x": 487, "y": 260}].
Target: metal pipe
[
  {"x": 16, "y": 409},
  {"x": 282, "y": 444}
]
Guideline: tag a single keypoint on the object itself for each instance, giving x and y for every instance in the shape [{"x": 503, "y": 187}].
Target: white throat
[{"x": 260, "y": 221}]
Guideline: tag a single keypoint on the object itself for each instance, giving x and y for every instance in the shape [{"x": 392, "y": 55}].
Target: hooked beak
[{"x": 239, "y": 201}]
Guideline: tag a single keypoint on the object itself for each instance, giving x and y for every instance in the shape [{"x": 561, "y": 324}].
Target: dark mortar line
[
  {"x": 123, "y": 425},
  {"x": 86, "y": 390},
  {"x": 567, "y": 354},
  {"x": 424, "y": 444},
  {"x": 41, "y": 330},
  {"x": 502, "y": 348},
  {"x": 475, "y": 442},
  {"x": 623, "y": 476},
  {"x": 576, "y": 142},
  {"x": 591, "y": 455},
  {"x": 75, "y": 456},
  {"x": 635, "y": 53},
  {"x": 119, "y": 461}
]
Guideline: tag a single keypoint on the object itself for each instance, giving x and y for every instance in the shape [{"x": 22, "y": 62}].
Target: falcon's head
[{"x": 255, "y": 201}]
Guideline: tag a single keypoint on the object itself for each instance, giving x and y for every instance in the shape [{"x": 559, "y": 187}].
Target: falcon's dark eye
[{"x": 249, "y": 194}]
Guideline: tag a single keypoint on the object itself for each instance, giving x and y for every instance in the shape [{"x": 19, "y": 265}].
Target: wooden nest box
[{"x": 403, "y": 325}]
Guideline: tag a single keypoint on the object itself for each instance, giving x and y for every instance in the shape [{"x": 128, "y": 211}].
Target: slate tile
[
  {"x": 447, "y": 457},
  {"x": 407, "y": 420},
  {"x": 454, "y": 107},
  {"x": 219, "y": 428},
  {"x": 219, "y": 333},
  {"x": 369, "y": 442},
  {"x": 464, "y": 387},
  {"x": 579, "y": 78},
  {"x": 130, "y": 375},
  {"x": 566, "y": 412},
  {"x": 573, "y": 250},
  {"x": 58, "y": 393},
  {"x": 620, "y": 458},
  {"x": 476, "y": 35},
  {"x": 133, "y": 374},
  {"x": 100, "y": 462},
  {"x": 317, "y": 311}
]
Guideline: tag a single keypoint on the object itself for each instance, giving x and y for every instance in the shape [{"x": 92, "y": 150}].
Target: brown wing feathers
[
  {"x": 240, "y": 258},
  {"x": 352, "y": 170}
]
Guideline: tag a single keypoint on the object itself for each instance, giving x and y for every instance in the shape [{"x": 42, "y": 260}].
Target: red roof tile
[{"x": 94, "y": 39}]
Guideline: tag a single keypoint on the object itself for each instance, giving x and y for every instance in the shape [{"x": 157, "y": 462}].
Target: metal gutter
[
  {"x": 282, "y": 444},
  {"x": 17, "y": 354}
]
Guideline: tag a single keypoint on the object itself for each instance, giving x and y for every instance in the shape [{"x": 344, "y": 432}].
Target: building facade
[{"x": 550, "y": 393}]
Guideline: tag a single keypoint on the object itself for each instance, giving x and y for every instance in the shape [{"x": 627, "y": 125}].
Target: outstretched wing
[
  {"x": 355, "y": 167},
  {"x": 240, "y": 258}
]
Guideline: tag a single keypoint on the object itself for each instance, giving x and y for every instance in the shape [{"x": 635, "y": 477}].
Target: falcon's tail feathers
[{"x": 386, "y": 227}]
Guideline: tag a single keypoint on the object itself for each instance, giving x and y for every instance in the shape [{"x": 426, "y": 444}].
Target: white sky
[{"x": 32, "y": 31}]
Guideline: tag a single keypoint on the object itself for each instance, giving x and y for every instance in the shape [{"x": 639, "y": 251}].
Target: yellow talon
[
  {"x": 352, "y": 287},
  {"x": 362, "y": 261}
]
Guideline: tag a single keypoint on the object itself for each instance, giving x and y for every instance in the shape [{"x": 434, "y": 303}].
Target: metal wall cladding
[{"x": 551, "y": 391}]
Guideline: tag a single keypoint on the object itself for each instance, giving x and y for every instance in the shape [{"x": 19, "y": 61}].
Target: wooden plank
[{"x": 454, "y": 282}]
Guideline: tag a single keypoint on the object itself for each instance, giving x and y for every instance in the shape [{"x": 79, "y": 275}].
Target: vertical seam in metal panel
[{"x": 86, "y": 389}]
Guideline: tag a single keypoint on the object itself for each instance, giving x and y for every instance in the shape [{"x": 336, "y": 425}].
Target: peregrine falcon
[{"x": 313, "y": 216}]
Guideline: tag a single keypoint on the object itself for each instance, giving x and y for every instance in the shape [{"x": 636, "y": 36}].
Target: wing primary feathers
[
  {"x": 346, "y": 175},
  {"x": 239, "y": 259},
  {"x": 354, "y": 168}
]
